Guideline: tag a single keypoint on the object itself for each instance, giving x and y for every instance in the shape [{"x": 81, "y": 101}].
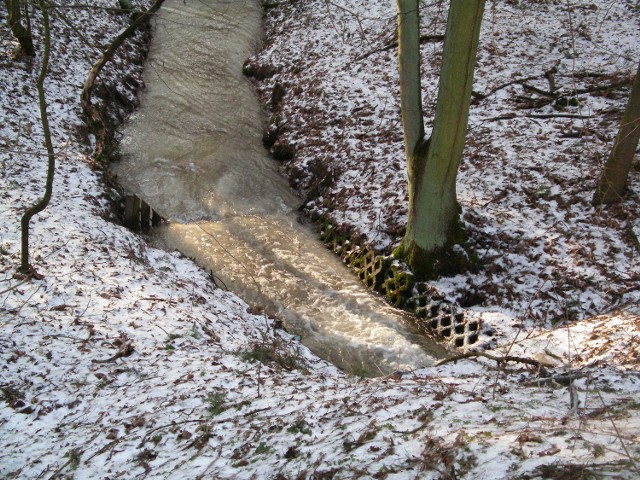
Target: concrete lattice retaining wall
[{"x": 393, "y": 280}]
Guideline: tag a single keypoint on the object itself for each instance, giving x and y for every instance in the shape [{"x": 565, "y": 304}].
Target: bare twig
[
  {"x": 355, "y": 15},
  {"x": 555, "y": 93},
  {"x": 505, "y": 85},
  {"x": 255, "y": 282},
  {"x": 203, "y": 420},
  {"x": 15, "y": 286},
  {"x": 624, "y": 446},
  {"x": 59, "y": 470},
  {"x": 108, "y": 446},
  {"x": 16, "y": 312},
  {"x": 394, "y": 44},
  {"x": 84, "y": 39}
]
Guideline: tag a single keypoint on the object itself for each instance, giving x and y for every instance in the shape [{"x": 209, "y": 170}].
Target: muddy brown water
[{"x": 193, "y": 151}]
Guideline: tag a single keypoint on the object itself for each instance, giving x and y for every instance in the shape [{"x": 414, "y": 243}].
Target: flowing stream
[{"x": 193, "y": 151}]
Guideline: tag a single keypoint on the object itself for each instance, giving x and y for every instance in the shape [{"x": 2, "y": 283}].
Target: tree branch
[
  {"x": 558, "y": 115},
  {"x": 600, "y": 88},
  {"x": 510, "y": 116},
  {"x": 394, "y": 44},
  {"x": 555, "y": 93}
]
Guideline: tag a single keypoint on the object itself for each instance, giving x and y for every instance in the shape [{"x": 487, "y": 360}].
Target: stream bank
[{"x": 328, "y": 74}]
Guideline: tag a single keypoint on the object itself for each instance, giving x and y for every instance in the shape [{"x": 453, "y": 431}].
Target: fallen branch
[
  {"x": 530, "y": 103},
  {"x": 109, "y": 445},
  {"x": 202, "y": 420},
  {"x": 601, "y": 88},
  {"x": 505, "y": 85},
  {"x": 557, "y": 115},
  {"x": 500, "y": 360},
  {"x": 510, "y": 116},
  {"x": 583, "y": 74},
  {"x": 539, "y": 91},
  {"x": 125, "y": 350},
  {"x": 24, "y": 280},
  {"x": 555, "y": 93},
  {"x": 56, "y": 474},
  {"x": 578, "y": 91},
  {"x": 506, "y": 116},
  {"x": 565, "y": 379},
  {"x": 394, "y": 44}
]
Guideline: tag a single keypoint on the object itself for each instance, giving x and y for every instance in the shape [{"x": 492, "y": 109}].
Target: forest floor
[{"x": 125, "y": 361}]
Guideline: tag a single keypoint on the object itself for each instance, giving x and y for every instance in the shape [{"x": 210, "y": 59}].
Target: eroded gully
[{"x": 193, "y": 151}]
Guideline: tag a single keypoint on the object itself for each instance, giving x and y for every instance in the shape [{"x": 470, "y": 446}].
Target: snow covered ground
[
  {"x": 127, "y": 362},
  {"x": 531, "y": 160}
]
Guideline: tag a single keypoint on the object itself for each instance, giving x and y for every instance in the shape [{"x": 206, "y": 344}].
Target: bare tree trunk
[
  {"x": 410, "y": 85},
  {"x": 22, "y": 34},
  {"x": 613, "y": 180},
  {"x": 433, "y": 226},
  {"x": 25, "y": 266}
]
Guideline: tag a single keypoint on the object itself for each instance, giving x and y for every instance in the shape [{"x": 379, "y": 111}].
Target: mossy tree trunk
[
  {"x": 22, "y": 33},
  {"x": 433, "y": 227},
  {"x": 613, "y": 180},
  {"x": 125, "y": 5}
]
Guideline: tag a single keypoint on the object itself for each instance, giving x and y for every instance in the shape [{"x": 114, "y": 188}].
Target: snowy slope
[{"x": 531, "y": 161}]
